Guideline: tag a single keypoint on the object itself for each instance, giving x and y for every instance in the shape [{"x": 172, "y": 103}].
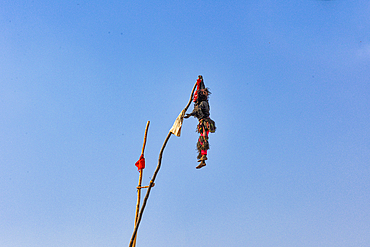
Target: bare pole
[
  {"x": 133, "y": 237},
  {"x": 140, "y": 180}
]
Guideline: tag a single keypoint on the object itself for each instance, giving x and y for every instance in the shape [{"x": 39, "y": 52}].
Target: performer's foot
[
  {"x": 201, "y": 165},
  {"x": 204, "y": 157}
]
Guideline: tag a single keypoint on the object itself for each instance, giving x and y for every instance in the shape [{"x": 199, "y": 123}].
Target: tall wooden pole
[
  {"x": 140, "y": 180},
  {"x": 133, "y": 237}
]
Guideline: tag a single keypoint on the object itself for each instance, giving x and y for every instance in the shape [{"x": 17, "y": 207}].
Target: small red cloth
[{"x": 140, "y": 164}]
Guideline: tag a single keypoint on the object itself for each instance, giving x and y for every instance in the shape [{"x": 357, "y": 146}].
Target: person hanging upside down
[{"x": 202, "y": 112}]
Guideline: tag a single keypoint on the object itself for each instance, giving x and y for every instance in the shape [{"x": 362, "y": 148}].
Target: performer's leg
[
  {"x": 203, "y": 139},
  {"x": 202, "y": 144}
]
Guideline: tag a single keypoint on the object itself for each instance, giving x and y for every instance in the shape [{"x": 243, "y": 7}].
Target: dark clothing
[
  {"x": 206, "y": 125},
  {"x": 201, "y": 110}
]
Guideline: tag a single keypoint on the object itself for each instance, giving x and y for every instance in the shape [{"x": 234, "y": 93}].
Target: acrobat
[{"x": 202, "y": 112}]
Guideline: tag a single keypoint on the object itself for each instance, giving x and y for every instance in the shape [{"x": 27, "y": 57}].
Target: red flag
[{"x": 140, "y": 164}]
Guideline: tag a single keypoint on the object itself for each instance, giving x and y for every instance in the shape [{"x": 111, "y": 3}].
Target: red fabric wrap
[
  {"x": 140, "y": 164},
  {"x": 196, "y": 92}
]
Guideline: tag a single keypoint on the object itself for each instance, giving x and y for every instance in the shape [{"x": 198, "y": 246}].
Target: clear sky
[{"x": 288, "y": 164}]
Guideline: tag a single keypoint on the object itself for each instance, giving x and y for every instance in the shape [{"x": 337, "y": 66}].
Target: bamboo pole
[
  {"x": 151, "y": 184},
  {"x": 140, "y": 180}
]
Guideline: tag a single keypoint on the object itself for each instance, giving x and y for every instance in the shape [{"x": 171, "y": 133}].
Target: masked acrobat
[{"x": 206, "y": 124}]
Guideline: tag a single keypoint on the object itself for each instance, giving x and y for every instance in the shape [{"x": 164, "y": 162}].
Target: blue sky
[{"x": 288, "y": 164}]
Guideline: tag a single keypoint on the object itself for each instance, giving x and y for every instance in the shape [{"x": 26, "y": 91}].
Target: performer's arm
[{"x": 193, "y": 113}]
